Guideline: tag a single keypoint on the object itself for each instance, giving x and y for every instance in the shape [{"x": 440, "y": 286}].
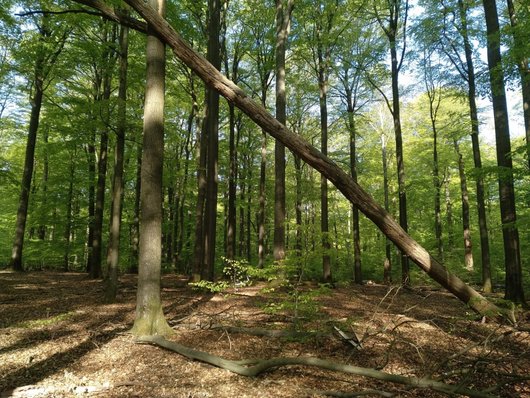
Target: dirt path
[{"x": 57, "y": 339}]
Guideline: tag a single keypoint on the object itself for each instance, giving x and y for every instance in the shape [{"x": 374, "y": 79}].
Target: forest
[{"x": 300, "y": 198}]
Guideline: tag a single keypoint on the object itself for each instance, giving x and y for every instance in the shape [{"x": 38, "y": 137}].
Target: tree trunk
[
  {"x": 351, "y": 190},
  {"x": 523, "y": 63},
  {"x": 387, "y": 266},
  {"x": 468, "y": 252},
  {"x": 149, "y": 318},
  {"x": 510, "y": 233},
  {"x": 29, "y": 161},
  {"x": 283, "y": 22},
  {"x": 212, "y": 128},
  {"x": 135, "y": 227},
  {"x": 357, "y": 273},
  {"x": 68, "y": 222},
  {"x": 482, "y": 220},
  {"x": 117, "y": 182}
]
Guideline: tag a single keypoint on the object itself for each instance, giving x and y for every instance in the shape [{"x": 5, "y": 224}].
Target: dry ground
[{"x": 58, "y": 339}]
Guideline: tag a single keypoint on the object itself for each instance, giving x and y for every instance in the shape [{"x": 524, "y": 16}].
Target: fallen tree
[
  {"x": 255, "y": 367},
  {"x": 343, "y": 181},
  {"x": 312, "y": 156}
]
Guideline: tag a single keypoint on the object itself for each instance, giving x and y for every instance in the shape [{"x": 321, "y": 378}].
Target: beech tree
[
  {"x": 50, "y": 43},
  {"x": 149, "y": 318},
  {"x": 512, "y": 256}
]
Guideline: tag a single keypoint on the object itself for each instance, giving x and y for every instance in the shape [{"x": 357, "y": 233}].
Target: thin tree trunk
[
  {"x": 512, "y": 257},
  {"x": 482, "y": 220},
  {"x": 135, "y": 228},
  {"x": 523, "y": 63},
  {"x": 41, "y": 233},
  {"x": 357, "y": 273},
  {"x": 149, "y": 318},
  {"x": 387, "y": 266},
  {"x": 468, "y": 252},
  {"x": 29, "y": 161},
  {"x": 117, "y": 182},
  {"x": 68, "y": 222}
]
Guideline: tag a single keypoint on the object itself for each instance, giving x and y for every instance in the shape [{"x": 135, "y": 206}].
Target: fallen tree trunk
[
  {"x": 342, "y": 180},
  {"x": 254, "y": 367}
]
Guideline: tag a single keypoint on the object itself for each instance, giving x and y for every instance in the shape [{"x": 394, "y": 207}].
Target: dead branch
[
  {"x": 254, "y": 367},
  {"x": 340, "y": 394}
]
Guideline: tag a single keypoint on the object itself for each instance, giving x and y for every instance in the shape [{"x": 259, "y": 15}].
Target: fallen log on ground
[{"x": 254, "y": 367}]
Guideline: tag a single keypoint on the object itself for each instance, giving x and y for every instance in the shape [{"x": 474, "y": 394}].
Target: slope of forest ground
[{"x": 58, "y": 339}]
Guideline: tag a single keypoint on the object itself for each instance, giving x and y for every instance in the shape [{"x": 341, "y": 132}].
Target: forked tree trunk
[
  {"x": 342, "y": 180},
  {"x": 149, "y": 318}
]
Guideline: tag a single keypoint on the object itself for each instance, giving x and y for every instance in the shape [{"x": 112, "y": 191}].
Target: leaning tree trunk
[
  {"x": 510, "y": 233},
  {"x": 342, "y": 180},
  {"x": 149, "y": 318}
]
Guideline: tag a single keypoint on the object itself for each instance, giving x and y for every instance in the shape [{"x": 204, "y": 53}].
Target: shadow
[{"x": 61, "y": 360}]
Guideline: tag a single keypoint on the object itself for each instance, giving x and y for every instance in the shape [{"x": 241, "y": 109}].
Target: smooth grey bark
[
  {"x": 523, "y": 62},
  {"x": 464, "y": 195},
  {"x": 283, "y": 24},
  {"x": 212, "y": 129},
  {"x": 150, "y": 318},
  {"x": 113, "y": 250},
  {"x": 512, "y": 256},
  {"x": 466, "y": 69},
  {"x": 43, "y": 65},
  {"x": 391, "y": 25},
  {"x": 342, "y": 180}
]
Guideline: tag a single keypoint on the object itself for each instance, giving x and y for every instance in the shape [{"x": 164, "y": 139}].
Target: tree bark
[
  {"x": 212, "y": 128},
  {"x": 473, "y": 113},
  {"x": 512, "y": 257},
  {"x": 149, "y": 318},
  {"x": 351, "y": 190},
  {"x": 524, "y": 69},
  {"x": 117, "y": 182},
  {"x": 283, "y": 23},
  {"x": 29, "y": 159}
]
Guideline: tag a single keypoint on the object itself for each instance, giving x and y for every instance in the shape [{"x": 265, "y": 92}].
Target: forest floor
[{"x": 58, "y": 339}]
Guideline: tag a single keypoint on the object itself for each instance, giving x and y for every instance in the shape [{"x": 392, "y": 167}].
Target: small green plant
[{"x": 209, "y": 286}]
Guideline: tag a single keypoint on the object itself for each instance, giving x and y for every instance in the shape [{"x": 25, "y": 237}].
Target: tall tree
[
  {"x": 392, "y": 18},
  {"x": 464, "y": 195},
  {"x": 521, "y": 48},
  {"x": 512, "y": 257},
  {"x": 211, "y": 126},
  {"x": 113, "y": 250},
  {"x": 103, "y": 81},
  {"x": 47, "y": 49},
  {"x": 150, "y": 318},
  {"x": 284, "y": 9}
]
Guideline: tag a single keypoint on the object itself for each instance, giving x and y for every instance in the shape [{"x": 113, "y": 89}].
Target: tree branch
[
  {"x": 114, "y": 15},
  {"x": 254, "y": 367}
]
